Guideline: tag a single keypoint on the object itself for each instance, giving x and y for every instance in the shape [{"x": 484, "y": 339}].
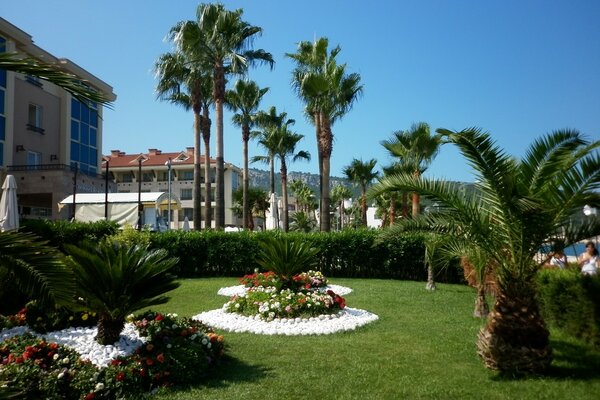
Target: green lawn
[{"x": 423, "y": 347}]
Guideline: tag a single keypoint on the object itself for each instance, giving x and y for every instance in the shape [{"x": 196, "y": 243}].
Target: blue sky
[{"x": 517, "y": 69}]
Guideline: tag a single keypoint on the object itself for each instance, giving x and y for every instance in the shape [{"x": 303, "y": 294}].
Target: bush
[
  {"x": 571, "y": 302},
  {"x": 59, "y": 233},
  {"x": 44, "y": 320}
]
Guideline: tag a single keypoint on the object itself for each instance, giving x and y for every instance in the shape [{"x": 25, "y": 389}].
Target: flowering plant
[
  {"x": 268, "y": 303},
  {"x": 10, "y": 321},
  {"x": 263, "y": 279},
  {"x": 304, "y": 281}
]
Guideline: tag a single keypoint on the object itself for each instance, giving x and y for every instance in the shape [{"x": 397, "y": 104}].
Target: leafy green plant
[
  {"x": 59, "y": 233},
  {"x": 286, "y": 257},
  {"x": 117, "y": 280}
]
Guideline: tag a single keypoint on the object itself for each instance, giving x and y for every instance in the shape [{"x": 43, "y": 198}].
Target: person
[
  {"x": 559, "y": 259},
  {"x": 588, "y": 260}
]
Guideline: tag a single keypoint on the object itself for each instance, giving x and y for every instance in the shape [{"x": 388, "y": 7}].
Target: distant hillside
[{"x": 260, "y": 178}]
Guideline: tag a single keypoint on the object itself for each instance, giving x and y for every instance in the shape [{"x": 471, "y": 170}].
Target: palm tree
[
  {"x": 222, "y": 38},
  {"x": 301, "y": 222},
  {"x": 184, "y": 82},
  {"x": 282, "y": 144},
  {"x": 36, "y": 269},
  {"x": 362, "y": 174},
  {"x": 258, "y": 201},
  {"x": 269, "y": 122},
  {"x": 518, "y": 205},
  {"x": 416, "y": 149},
  {"x": 117, "y": 279},
  {"x": 245, "y": 98},
  {"x": 305, "y": 197},
  {"x": 78, "y": 88},
  {"x": 338, "y": 194},
  {"x": 328, "y": 93}
]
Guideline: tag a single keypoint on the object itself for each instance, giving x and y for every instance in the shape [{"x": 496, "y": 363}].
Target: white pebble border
[
  {"x": 346, "y": 320},
  {"x": 82, "y": 341},
  {"x": 239, "y": 290}
]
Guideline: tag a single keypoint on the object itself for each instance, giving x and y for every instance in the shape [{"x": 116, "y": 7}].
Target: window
[
  {"x": 34, "y": 158},
  {"x": 186, "y": 194},
  {"x": 84, "y": 136},
  {"x": 147, "y": 177},
  {"x": 186, "y": 212},
  {"x": 34, "y": 118},
  {"x": 187, "y": 175},
  {"x": 127, "y": 177}
]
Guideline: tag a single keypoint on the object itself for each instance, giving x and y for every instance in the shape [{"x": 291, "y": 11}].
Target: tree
[
  {"x": 270, "y": 122},
  {"x": 78, "y": 88},
  {"x": 258, "y": 201},
  {"x": 338, "y": 194},
  {"x": 305, "y": 197},
  {"x": 362, "y": 174},
  {"x": 117, "y": 279},
  {"x": 245, "y": 99},
  {"x": 183, "y": 82},
  {"x": 518, "y": 205},
  {"x": 328, "y": 93},
  {"x": 415, "y": 148},
  {"x": 224, "y": 40},
  {"x": 282, "y": 143},
  {"x": 301, "y": 222}
]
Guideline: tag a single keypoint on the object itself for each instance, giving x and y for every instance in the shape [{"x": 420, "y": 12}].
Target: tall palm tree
[
  {"x": 328, "y": 92},
  {"x": 338, "y": 194},
  {"x": 361, "y": 173},
  {"x": 519, "y": 204},
  {"x": 53, "y": 73},
  {"x": 221, "y": 37},
  {"x": 416, "y": 148},
  {"x": 283, "y": 144},
  {"x": 183, "y": 82},
  {"x": 269, "y": 122},
  {"x": 245, "y": 99}
]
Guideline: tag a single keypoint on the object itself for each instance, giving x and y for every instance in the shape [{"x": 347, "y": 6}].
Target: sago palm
[
  {"x": 244, "y": 99},
  {"x": 517, "y": 207},
  {"x": 222, "y": 38},
  {"x": 117, "y": 279}
]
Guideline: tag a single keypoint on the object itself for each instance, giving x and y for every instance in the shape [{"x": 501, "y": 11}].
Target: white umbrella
[
  {"x": 9, "y": 211},
  {"x": 186, "y": 224},
  {"x": 273, "y": 218}
]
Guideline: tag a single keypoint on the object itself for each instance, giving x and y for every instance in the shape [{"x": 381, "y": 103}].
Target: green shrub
[
  {"x": 571, "y": 302},
  {"x": 59, "y": 233},
  {"x": 43, "y": 320}
]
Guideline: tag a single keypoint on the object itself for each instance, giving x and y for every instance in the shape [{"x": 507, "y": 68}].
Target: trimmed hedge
[
  {"x": 58, "y": 233},
  {"x": 571, "y": 302}
]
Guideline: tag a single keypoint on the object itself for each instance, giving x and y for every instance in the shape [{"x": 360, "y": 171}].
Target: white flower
[
  {"x": 65, "y": 360},
  {"x": 204, "y": 341},
  {"x": 99, "y": 386},
  {"x": 174, "y": 326},
  {"x": 55, "y": 357},
  {"x": 194, "y": 336},
  {"x": 169, "y": 346},
  {"x": 61, "y": 375},
  {"x": 237, "y": 305}
]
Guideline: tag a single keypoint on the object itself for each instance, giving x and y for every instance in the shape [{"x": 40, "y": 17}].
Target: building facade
[
  {"x": 124, "y": 171},
  {"x": 49, "y": 141}
]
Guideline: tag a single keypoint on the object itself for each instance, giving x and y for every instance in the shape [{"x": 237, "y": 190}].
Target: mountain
[{"x": 260, "y": 178}]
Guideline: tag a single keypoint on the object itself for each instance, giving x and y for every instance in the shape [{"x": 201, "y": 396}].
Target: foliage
[
  {"x": 116, "y": 280},
  {"x": 361, "y": 173},
  {"x": 177, "y": 351},
  {"x": 270, "y": 303},
  {"x": 571, "y": 302},
  {"x": 59, "y": 233},
  {"x": 13, "y": 320},
  {"x": 34, "y": 268},
  {"x": 44, "y": 319},
  {"x": 302, "y": 222},
  {"x": 129, "y": 237},
  {"x": 309, "y": 280},
  {"x": 286, "y": 257}
]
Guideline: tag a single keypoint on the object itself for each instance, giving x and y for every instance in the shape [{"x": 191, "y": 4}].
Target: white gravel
[
  {"x": 346, "y": 320},
  {"x": 241, "y": 289},
  {"x": 82, "y": 341}
]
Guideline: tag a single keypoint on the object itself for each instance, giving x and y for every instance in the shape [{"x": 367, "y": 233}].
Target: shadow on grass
[{"x": 572, "y": 361}]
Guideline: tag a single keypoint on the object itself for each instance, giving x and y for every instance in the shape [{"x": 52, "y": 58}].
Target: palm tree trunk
[
  {"x": 515, "y": 338},
  {"x": 416, "y": 199},
  {"x": 207, "y": 171},
  {"x": 245, "y": 204},
  {"x": 109, "y": 329},
  {"x": 325, "y": 144},
  {"x": 197, "y": 211},
  {"x": 272, "y": 172},
  {"x": 404, "y": 205},
  {"x": 363, "y": 204},
  {"x": 219, "y": 98},
  {"x": 481, "y": 307},
  {"x": 430, "y": 278},
  {"x": 392, "y": 214},
  {"x": 342, "y": 214},
  {"x": 286, "y": 225},
  {"x": 317, "y": 117}
]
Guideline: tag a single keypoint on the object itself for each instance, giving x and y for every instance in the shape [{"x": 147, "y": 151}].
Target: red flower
[
  {"x": 160, "y": 358},
  {"x": 90, "y": 396},
  {"x": 149, "y": 347},
  {"x": 158, "y": 317},
  {"x": 149, "y": 361},
  {"x": 18, "y": 360},
  {"x": 120, "y": 376},
  {"x": 115, "y": 362},
  {"x": 143, "y": 372}
]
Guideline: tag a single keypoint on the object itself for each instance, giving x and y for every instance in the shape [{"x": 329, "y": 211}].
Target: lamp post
[
  {"x": 168, "y": 164},
  {"x": 106, "y": 192},
  {"x": 140, "y": 194}
]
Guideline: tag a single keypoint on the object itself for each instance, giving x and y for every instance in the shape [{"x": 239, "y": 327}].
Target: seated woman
[
  {"x": 559, "y": 259},
  {"x": 588, "y": 260}
]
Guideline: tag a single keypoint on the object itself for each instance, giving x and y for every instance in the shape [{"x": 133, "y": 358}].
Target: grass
[{"x": 423, "y": 347}]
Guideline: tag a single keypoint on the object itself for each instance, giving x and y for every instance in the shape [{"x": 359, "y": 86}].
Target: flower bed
[{"x": 161, "y": 350}]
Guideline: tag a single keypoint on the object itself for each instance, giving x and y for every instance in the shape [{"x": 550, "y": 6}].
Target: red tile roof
[{"x": 153, "y": 158}]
